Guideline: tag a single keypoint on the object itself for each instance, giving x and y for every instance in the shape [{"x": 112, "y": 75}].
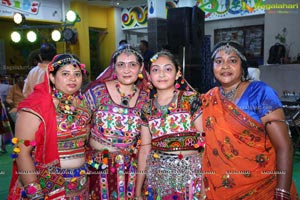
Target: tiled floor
[{"x": 6, "y": 162}]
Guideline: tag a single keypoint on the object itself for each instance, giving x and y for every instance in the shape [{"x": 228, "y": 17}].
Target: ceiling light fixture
[
  {"x": 72, "y": 16},
  {"x": 19, "y": 18},
  {"x": 31, "y": 36},
  {"x": 56, "y": 35},
  {"x": 15, "y": 37}
]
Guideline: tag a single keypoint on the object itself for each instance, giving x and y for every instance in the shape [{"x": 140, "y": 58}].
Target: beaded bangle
[
  {"x": 34, "y": 190},
  {"x": 16, "y": 141}
]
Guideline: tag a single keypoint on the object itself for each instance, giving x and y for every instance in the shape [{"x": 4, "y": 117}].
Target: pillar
[{"x": 157, "y": 24}]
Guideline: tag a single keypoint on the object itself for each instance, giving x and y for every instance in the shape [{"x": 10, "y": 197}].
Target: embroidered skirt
[
  {"x": 58, "y": 184},
  {"x": 169, "y": 177},
  {"x": 114, "y": 179}
]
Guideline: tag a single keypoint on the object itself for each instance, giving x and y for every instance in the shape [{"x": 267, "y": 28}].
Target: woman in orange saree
[{"x": 248, "y": 154}]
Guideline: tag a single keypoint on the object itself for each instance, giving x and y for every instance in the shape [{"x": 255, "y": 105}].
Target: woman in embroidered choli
[
  {"x": 51, "y": 131},
  {"x": 171, "y": 136},
  {"x": 116, "y": 98},
  {"x": 248, "y": 153}
]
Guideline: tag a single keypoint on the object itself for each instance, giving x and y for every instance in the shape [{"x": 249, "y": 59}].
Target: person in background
[
  {"x": 36, "y": 74},
  {"x": 50, "y": 135},
  {"x": 116, "y": 98},
  {"x": 171, "y": 136},
  {"x": 15, "y": 96},
  {"x": 6, "y": 132},
  {"x": 122, "y": 43},
  {"x": 146, "y": 53},
  {"x": 248, "y": 152},
  {"x": 34, "y": 58},
  {"x": 4, "y": 88}
]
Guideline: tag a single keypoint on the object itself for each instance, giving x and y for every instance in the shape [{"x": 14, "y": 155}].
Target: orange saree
[{"x": 239, "y": 160}]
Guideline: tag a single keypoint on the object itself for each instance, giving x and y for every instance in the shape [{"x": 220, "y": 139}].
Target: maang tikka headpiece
[
  {"x": 228, "y": 49},
  {"x": 65, "y": 61},
  {"x": 127, "y": 49}
]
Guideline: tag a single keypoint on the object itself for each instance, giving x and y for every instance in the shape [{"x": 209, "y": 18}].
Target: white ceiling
[{"x": 115, "y": 3}]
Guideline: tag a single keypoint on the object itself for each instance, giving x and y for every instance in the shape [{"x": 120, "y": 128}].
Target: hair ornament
[
  {"x": 82, "y": 67},
  {"x": 154, "y": 58},
  {"x": 51, "y": 68},
  {"x": 126, "y": 48},
  {"x": 228, "y": 49},
  {"x": 65, "y": 61}
]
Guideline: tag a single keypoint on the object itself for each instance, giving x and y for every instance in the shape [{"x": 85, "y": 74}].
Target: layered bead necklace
[
  {"x": 65, "y": 106},
  {"x": 126, "y": 98},
  {"x": 231, "y": 94}
]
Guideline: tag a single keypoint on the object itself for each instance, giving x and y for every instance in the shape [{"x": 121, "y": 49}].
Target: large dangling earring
[
  {"x": 114, "y": 76},
  {"x": 140, "y": 76},
  {"x": 149, "y": 85}
]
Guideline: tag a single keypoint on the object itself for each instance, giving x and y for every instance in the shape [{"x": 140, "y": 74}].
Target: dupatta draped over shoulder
[
  {"x": 240, "y": 159},
  {"x": 40, "y": 103}
]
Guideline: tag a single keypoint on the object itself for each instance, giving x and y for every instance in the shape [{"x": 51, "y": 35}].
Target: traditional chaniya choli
[
  {"x": 67, "y": 125},
  {"x": 173, "y": 176},
  {"x": 72, "y": 135},
  {"x": 113, "y": 173}
]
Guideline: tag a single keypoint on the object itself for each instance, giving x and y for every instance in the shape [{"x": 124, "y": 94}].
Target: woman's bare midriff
[
  {"x": 98, "y": 146},
  {"x": 72, "y": 163}
]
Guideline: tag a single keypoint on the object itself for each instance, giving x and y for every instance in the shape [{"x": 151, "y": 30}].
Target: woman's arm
[
  {"x": 278, "y": 133},
  {"x": 26, "y": 126},
  {"x": 144, "y": 151}
]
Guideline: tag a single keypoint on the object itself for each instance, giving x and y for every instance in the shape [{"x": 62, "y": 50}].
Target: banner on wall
[
  {"x": 137, "y": 17},
  {"x": 221, "y": 9},
  {"x": 33, "y": 9}
]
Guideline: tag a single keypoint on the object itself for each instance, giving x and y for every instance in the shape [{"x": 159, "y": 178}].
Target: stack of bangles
[
  {"x": 281, "y": 194},
  {"x": 34, "y": 191}
]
